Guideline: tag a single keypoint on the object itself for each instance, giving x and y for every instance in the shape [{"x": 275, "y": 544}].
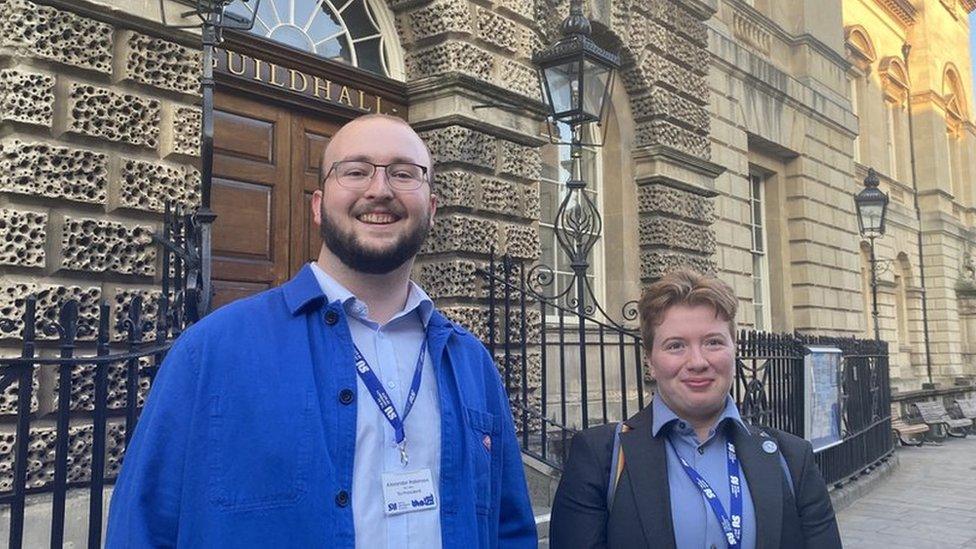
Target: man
[{"x": 339, "y": 410}]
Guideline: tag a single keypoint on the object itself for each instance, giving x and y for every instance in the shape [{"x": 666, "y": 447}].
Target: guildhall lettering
[{"x": 294, "y": 80}]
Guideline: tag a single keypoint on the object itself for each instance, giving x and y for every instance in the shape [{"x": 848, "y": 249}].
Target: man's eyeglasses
[{"x": 356, "y": 174}]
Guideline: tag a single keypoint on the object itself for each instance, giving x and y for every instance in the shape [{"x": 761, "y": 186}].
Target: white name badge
[{"x": 408, "y": 492}]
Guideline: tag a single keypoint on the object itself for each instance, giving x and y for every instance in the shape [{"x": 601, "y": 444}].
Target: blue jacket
[{"x": 244, "y": 441}]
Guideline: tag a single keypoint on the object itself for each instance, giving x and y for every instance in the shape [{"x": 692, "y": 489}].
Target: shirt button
[
  {"x": 346, "y": 396},
  {"x": 391, "y": 384},
  {"x": 701, "y": 450},
  {"x": 331, "y": 318},
  {"x": 682, "y": 425},
  {"x": 342, "y": 498}
]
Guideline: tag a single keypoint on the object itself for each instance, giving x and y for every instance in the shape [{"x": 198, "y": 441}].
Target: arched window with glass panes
[
  {"x": 360, "y": 33},
  {"x": 556, "y": 170}
]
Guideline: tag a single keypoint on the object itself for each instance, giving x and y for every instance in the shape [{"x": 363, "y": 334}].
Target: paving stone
[{"x": 929, "y": 501}]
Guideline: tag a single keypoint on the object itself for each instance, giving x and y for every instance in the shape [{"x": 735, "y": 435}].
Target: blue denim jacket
[{"x": 245, "y": 441}]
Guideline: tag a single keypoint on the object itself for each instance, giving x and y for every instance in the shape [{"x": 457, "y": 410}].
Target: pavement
[{"x": 928, "y": 502}]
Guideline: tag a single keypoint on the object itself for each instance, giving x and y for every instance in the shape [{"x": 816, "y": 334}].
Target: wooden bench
[
  {"x": 909, "y": 434},
  {"x": 967, "y": 408},
  {"x": 934, "y": 414}
]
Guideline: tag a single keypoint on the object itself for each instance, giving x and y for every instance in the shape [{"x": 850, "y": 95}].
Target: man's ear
[
  {"x": 433, "y": 209},
  {"x": 316, "y": 205}
]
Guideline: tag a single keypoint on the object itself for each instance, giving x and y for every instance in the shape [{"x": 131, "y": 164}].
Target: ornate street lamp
[
  {"x": 872, "y": 207},
  {"x": 577, "y": 75},
  {"x": 214, "y": 16}
]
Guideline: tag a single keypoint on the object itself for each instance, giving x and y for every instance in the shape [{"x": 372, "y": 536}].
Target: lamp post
[
  {"x": 872, "y": 207},
  {"x": 214, "y": 17},
  {"x": 577, "y": 76}
]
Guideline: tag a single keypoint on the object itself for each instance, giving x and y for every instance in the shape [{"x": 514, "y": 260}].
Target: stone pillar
[
  {"x": 475, "y": 98},
  {"x": 665, "y": 70}
]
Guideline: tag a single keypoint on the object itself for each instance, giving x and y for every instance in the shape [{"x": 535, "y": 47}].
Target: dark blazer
[{"x": 641, "y": 511}]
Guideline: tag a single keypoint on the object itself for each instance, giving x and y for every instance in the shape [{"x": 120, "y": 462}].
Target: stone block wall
[
  {"x": 486, "y": 174},
  {"x": 99, "y": 127},
  {"x": 665, "y": 71},
  {"x": 799, "y": 139}
]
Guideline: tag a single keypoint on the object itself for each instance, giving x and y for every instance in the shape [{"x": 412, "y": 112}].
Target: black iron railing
[
  {"x": 567, "y": 367},
  {"x": 102, "y": 364},
  {"x": 564, "y": 368}
]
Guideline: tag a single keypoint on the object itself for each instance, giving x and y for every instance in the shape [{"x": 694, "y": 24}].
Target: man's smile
[{"x": 378, "y": 218}]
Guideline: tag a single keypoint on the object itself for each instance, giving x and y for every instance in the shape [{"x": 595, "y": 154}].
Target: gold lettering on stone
[
  {"x": 273, "y": 72},
  {"x": 344, "y": 96},
  {"x": 378, "y": 104},
  {"x": 295, "y": 75},
  {"x": 257, "y": 69},
  {"x": 230, "y": 63},
  {"x": 362, "y": 100},
  {"x": 319, "y": 87}
]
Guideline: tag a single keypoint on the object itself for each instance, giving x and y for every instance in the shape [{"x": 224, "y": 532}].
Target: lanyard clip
[{"x": 404, "y": 459}]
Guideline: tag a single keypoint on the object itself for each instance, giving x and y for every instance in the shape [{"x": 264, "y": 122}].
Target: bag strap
[{"x": 616, "y": 464}]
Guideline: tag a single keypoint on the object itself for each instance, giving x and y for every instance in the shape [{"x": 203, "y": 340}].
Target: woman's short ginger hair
[{"x": 684, "y": 287}]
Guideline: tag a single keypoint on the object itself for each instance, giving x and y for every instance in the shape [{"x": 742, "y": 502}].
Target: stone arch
[
  {"x": 664, "y": 66},
  {"x": 860, "y": 48},
  {"x": 663, "y": 46},
  {"x": 894, "y": 79},
  {"x": 954, "y": 94},
  {"x": 378, "y": 49}
]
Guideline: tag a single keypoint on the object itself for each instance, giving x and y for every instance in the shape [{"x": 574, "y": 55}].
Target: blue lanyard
[
  {"x": 383, "y": 400},
  {"x": 731, "y": 526}
]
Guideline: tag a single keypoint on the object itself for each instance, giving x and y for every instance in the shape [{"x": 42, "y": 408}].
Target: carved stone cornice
[
  {"x": 902, "y": 10},
  {"x": 861, "y": 53}
]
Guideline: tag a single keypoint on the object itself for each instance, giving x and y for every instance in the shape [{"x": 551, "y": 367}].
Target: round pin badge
[{"x": 769, "y": 446}]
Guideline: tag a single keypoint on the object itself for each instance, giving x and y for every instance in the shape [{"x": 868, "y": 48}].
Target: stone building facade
[{"x": 732, "y": 145}]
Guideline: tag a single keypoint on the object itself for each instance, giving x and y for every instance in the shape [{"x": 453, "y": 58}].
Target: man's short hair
[
  {"x": 684, "y": 287},
  {"x": 381, "y": 116}
]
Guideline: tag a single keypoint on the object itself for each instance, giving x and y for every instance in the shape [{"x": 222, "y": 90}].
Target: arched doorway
[{"x": 283, "y": 90}]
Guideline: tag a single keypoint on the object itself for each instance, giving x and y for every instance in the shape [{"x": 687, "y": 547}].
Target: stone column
[{"x": 475, "y": 98}]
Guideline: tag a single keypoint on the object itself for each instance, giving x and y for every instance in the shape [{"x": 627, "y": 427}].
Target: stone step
[{"x": 542, "y": 524}]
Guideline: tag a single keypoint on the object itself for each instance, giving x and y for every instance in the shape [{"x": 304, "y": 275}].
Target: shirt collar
[
  {"x": 416, "y": 297},
  {"x": 663, "y": 415}
]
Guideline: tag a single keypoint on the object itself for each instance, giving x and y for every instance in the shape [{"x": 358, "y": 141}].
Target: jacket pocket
[
  {"x": 260, "y": 452},
  {"x": 484, "y": 450}
]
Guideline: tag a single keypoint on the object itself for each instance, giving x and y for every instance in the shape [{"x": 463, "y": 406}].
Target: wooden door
[
  {"x": 310, "y": 135},
  {"x": 252, "y": 157},
  {"x": 266, "y": 161}
]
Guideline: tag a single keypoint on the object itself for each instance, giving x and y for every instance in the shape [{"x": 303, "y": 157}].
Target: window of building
[
  {"x": 856, "y": 109},
  {"x": 556, "y": 170},
  {"x": 890, "y": 139},
  {"x": 356, "y": 32},
  {"x": 760, "y": 260}
]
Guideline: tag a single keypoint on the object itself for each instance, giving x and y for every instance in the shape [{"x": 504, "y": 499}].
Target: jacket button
[
  {"x": 342, "y": 498},
  {"x": 346, "y": 396},
  {"x": 331, "y": 317}
]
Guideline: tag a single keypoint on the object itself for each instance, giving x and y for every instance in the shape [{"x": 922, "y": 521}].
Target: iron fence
[
  {"x": 568, "y": 367},
  {"x": 97, "y": 365}
]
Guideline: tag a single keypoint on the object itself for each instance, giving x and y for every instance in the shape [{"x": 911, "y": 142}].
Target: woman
[{"x": 686, "y": 472}]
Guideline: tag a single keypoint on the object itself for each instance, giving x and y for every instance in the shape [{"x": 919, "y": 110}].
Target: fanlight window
[{"x": 350, "y": 31}]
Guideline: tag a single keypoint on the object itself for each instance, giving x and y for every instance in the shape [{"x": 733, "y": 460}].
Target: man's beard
[{"x": 346, "y": 246}]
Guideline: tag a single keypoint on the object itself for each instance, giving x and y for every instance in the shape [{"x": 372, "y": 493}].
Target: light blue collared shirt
[
  {"x": 695, "y": 524},
  {"x": 391, "y": 350}
]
